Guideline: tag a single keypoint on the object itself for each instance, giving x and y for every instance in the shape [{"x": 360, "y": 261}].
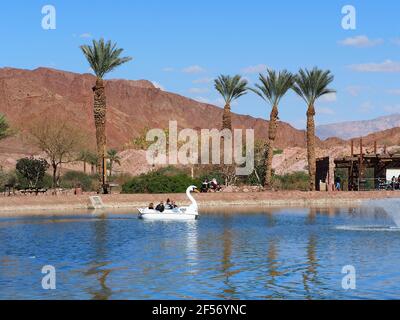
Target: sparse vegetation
[
  {"x": 59, "y": 140},
  {"x": 4, "y": 127}
]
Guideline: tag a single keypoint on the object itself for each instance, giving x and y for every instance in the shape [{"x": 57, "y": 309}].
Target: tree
[
  {"x": 273, "y": 87},
  {"x": 87, "y": 157},
  {"x": 32, "y": 170},
  {"x": 103, "y": 57},
  {"x": 113, "y": 157},
  {"x": 60, "y": 140},
  {"x": 4, "y": 127},
  {"x": 230, "y": 88},
  {"x": 311, "y": 85}
]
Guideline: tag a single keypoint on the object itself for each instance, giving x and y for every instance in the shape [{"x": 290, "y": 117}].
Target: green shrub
[
  {"x": 291, "y": 181},
  {"x": 72, "y": 179},
  {"x": 167, "y": 180}
]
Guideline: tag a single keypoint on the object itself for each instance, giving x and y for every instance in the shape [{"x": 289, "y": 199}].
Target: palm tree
[
  {"x": 103, "y": 57},
  {"x": 87, "y": 157},
  {"x": 311, "y": 85},
  {"x": 113, "y": 157},
  {"x": 230, "y": 88},
  {"x": 272, "y": 89},
  {"x": 92, "y": 160}
]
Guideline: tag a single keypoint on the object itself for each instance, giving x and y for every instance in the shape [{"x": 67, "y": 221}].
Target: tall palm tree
[
  {"x": 113, "y": 157},
  {"x": 103, "y": 57},
  {"x": 230, "y": 88},
  {"x": 273, "y": 87},
  {"x": 311, "y": 85}
]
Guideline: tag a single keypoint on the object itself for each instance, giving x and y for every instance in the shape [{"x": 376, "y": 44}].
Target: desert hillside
[{"x": 132, "y": 106}]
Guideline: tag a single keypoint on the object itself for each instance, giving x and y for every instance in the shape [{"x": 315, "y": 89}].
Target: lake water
[{"x": 273, "y": 254}]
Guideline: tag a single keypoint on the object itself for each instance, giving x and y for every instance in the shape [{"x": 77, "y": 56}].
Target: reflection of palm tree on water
[
  {"x": 98, "y": 266},
  {"x": 230, "y": 290},
  {"x": 310, "y": 275}
]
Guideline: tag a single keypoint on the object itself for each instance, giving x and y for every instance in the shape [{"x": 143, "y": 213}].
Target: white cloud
[
  {"x": 395, "y": 92},
  {"x": 330, "y": 97},
  {"x": 193, "y": 69},
  {"x": 216, "y": 102},
  {"x": 387, "y": 66},
  {"x": 366, "y": 107},
  {"x": 260, "y": 68},
  {"x": 203, "y": 80},
  {"x": 325, "y": 111},
  {"x": 396, "y": 41},
  {"x": 360, "y": 42},
  {"x": 198, "y": 90},
  {"x": 158, "y": 86},
  {"x": 354, "y": 90},
  {"x": 168, "y": 69},
  {"x": 392, "y": 109},
  {"x": 85, "y": 35}
]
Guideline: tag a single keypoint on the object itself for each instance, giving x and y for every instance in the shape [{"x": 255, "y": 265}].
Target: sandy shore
[{"x": 24, "y": 204}]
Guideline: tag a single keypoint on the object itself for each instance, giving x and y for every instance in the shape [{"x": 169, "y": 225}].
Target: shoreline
[{"x": 25, "y": 204}]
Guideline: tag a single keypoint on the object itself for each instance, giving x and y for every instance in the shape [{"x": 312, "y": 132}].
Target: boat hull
[{"x": 146, "y": 214}]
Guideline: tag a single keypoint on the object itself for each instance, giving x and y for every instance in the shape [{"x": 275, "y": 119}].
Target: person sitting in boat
[
  {"x": 173, "y": 204},
  {"x": 205, "y": 186},
  {"x": 215, "y": 186},
  {"x": 160, "y": 207},
  {"x": 151, "y": 206},
  {"x": 168, "y": 205}
]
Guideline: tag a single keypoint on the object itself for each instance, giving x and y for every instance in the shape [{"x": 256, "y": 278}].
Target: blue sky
[{"x": 183, "y": 45}]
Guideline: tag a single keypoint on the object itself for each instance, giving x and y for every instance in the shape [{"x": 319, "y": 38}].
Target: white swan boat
[{"x": 182, "y": 213}]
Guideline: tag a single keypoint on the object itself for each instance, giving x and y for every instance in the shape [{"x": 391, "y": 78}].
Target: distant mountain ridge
[{"x": 356, "y": 129}]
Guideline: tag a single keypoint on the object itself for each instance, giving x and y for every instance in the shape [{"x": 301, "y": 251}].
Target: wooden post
[{"x": 352, "y": 148}]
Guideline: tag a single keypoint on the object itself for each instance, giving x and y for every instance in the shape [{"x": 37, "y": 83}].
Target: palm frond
[
  {"x": 313, "y": 84},
  {"x": 230, "y": 88},
  {"x": 103, "y": 57},
  {"x": 274, "y": 86}
]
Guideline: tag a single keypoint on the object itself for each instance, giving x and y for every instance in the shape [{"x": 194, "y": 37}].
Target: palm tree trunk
[
  {"x": 273, "y": 124},
  {"x": 227, "y": 118},
  {"x": 311, "y": 145},
  {"x": 99, "y": 110}
]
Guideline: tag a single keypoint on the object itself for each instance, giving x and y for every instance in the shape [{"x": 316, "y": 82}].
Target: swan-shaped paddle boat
[{"x": 182, "y": 213}]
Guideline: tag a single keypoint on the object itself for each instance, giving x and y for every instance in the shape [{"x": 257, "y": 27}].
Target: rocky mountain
[
  {"x": 132, "y": 106},
  {"x": 356, "y": 129}
]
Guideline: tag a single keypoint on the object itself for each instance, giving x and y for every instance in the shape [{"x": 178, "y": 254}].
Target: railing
[{"x": 369, "y": 184}]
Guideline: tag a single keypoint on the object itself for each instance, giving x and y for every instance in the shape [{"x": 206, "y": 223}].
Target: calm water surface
[{"x": 279, "y": 254}]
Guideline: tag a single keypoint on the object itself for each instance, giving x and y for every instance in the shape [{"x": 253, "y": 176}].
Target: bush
[
  {"x": 167, "y": 180},
  {"x": 292, "y": 181},
  {"x": 31, "y": 172},
  {"x": 72, "y": 179},
  {"x": 7, "y": 178}
]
